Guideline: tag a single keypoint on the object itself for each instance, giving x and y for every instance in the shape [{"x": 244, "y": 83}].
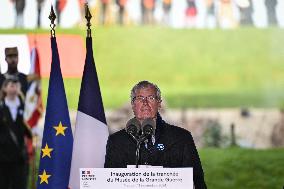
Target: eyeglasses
[{"x": 141, "y": 99}]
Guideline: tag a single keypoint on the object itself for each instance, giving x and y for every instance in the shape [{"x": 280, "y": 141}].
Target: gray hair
[{"x": 145, "y": 84}]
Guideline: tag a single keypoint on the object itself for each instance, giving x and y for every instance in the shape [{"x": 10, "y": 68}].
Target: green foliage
[
  {"x": 212, "y": 135},
  {"x": 194, "y": 68}
]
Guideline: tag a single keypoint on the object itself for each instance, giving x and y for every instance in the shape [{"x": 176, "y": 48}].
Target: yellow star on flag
[
  {"x": 60, "y": 129},
  {"x": 46, "y": 151},
  {"x": 44, "y": 177}
]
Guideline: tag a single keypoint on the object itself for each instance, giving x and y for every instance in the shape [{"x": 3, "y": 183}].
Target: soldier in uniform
[{"x": 11, "y": 57}]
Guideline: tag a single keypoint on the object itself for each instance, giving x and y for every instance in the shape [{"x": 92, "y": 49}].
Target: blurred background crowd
[{"x": 174, "y": 13}]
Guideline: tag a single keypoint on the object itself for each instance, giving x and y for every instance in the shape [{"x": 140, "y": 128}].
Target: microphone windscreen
[
  {"x": 133, "y": 126},
  {"x": 148, "y": 126}
]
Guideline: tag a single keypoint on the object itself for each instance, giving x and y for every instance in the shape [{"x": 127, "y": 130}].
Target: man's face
[
  {"x": 12, "y": 61},
  {"x": 145, "y": 104}
]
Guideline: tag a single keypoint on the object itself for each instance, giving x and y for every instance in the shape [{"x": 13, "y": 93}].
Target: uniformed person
[{"x": 12, "y": 59}]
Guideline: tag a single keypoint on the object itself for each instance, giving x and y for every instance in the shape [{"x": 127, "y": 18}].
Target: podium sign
[{"x": 122, "y": 178}]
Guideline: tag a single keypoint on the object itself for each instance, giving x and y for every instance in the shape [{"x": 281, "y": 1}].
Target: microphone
[
  {"x": 133, "y": 127},
  {"x": 148, "y": 127}
]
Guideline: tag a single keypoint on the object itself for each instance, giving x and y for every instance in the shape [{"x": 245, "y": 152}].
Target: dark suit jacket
[
  {"x": 12, "y": 149},
  {"x": 174, "y": 147}
]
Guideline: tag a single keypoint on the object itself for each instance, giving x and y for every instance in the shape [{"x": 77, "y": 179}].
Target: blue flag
[{"x": 57, "y": 142}]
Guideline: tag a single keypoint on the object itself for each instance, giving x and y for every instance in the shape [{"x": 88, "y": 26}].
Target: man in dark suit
[
  {"x": 13, "y": 154},
  {"x": 169, "y": 146}
]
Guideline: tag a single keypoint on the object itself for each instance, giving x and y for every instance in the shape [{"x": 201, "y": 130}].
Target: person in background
[
  {"x": 82, "y": 4},
  {"x": 13, "y": 154},
  {"x": 59, "y": 6},
  {"x": 271, "y": 11},
  {"x": 167, "y": 5},
  {"x": 210, "y": 17},
  {"x": 105, "y": 5},
  {"x": 226, "y": 18},
  {"x": 142, "y": 12},
  {"x": 149, "y": 9},
  {"x": 12, "y": 59},
  {"x": 19, "y": 7},
  {"x": 121, "y": 11},
  {"x": 190, "y": 14},
  {"x": 246, "y": 10},
  {"x": 39, "y": 6}
]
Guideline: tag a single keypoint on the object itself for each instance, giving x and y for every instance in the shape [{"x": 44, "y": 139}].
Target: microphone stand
[
  {"x": 138, "y": 145},
  {"x": 137, "y": 153},
  {"x": 131, "y": 129}
]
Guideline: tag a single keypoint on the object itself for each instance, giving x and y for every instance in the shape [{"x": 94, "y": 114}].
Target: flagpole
[
  {"x": 34, "y": 159},
  {"x": 88, "y": 17}
]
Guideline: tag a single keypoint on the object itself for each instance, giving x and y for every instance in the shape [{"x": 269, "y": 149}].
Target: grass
[
  {"x": 239, "y": 168},
  {"x": 243, "y": 168},
  {"x": 194, "y": 68}
]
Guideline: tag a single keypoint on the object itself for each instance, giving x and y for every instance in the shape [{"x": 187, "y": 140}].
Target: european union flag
[{"x": 57, "y": 142}]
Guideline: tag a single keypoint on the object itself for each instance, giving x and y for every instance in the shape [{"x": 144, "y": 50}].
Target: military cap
[{"x": 11, "y": 51}]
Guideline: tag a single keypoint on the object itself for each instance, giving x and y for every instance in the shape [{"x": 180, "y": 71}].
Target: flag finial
[
  {"x": 88, "y": 17},
  {"x": 52, "y": 18}
]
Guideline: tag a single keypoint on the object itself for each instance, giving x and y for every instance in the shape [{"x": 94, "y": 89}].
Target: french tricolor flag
[{"x": 91, "y": 131}]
